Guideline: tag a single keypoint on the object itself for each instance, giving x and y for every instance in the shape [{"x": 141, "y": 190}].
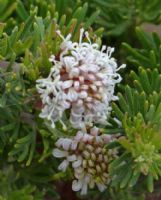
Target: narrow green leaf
[
  {"x": 24, "y": 154},
  {"x": 150, "y": 184},
  {"x": 144, "y": 38},
  {"x": 134, "y": 179},
  {"x": 22, "y": 12}
]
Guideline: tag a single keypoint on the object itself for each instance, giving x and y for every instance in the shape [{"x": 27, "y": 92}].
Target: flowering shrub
[{"x": 74, "y": 122}]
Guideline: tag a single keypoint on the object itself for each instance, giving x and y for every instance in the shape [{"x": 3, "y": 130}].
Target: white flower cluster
[
  {"x": 81, "y": 80},
  {"x": 87, "y": 155}
]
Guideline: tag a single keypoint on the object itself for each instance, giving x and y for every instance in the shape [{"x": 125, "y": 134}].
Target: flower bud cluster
[
  {"x": 81, "y": 82},
  {"x": 87, "y": 155}
]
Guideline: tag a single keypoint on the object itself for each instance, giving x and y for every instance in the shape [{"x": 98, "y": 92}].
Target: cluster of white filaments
[
  {"x": 82, "y": 80},
  {"x": 87, "y": 156}
]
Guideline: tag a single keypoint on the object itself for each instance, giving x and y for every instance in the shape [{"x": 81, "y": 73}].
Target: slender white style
[
  {"x": 82, "y": 80},
  {"x": 88, "y": 157}
]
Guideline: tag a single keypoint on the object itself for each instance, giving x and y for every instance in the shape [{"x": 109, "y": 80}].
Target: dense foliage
[{"x": 27, "y": 39}]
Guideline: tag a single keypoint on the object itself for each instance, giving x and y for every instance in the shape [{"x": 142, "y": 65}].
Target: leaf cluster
[
  {"x": 124, "y": 15},
  {"x": 139, "y": 110}
]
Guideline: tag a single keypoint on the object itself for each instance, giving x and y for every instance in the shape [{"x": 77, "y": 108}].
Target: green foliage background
[{"x": 27, "y": 39}]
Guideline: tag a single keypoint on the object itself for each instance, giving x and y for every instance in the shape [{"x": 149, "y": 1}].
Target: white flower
[
  {"x": 88, "y": 159},
  {"x": 60, "y": 154},
  {"x": 81, "y": 80}
]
